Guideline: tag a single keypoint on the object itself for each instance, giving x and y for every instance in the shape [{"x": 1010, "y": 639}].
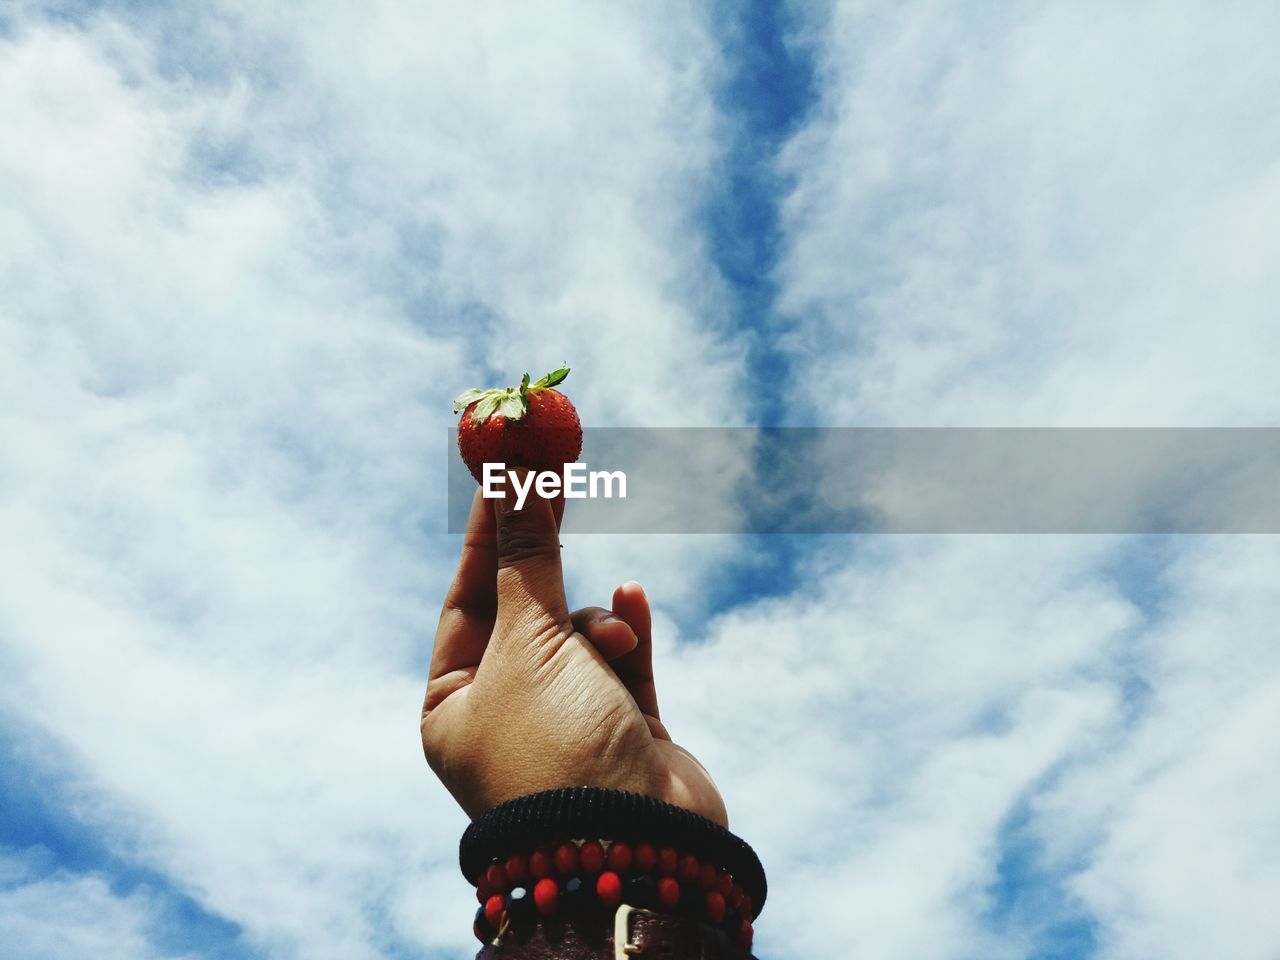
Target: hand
[{"x": 524, "y": 696}]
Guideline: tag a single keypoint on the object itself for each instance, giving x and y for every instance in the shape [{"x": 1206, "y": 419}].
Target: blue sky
[{"x": 246, "y": 261}]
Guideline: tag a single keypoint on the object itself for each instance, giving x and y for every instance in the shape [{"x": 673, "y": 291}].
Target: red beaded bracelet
[{"x": 580, "y": 874}]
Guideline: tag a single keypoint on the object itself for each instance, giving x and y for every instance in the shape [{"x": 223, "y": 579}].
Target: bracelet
[
  {"x": 577, "y": 875},
  {"x": 572, "y": 849}
]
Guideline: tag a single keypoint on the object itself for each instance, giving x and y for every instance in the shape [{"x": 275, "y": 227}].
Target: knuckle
[
  {"x": 588, "y": 617},
  {"x": 537, "y": 644},
  {"x": 526, "y": 539}
]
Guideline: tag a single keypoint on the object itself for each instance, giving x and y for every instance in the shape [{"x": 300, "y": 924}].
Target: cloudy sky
[{"x": 248, "y": 254}]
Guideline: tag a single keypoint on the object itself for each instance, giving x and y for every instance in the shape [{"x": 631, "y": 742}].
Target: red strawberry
[{"x": 531, "y": 425}]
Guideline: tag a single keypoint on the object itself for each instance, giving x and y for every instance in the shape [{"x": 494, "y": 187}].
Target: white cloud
[
  {"x": 1035, "y": 217},
  {"x": 242, "y": 276},
  {"x": 878, "y": 727},
  {"x": 1049, "y": 215},
  {"x": 246, "y": 260},
  {"x": 60, "y": 915},
  {"x": 1177, "y": 810},
  {"x": 885, "y": 726},
  {"x": 548, "y": 162}
]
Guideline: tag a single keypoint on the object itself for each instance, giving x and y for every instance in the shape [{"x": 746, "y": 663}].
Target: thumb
[{"x": 531, "y": 598}]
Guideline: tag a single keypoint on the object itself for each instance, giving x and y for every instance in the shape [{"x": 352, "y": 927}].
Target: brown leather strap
[{"x": 653, "y": 936}]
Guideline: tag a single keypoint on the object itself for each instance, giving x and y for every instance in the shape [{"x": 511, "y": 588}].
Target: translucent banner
[{"x": 911, "y": 480}]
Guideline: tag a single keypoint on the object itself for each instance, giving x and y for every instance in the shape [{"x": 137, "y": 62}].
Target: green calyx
[{"x": 511, "y": 403}]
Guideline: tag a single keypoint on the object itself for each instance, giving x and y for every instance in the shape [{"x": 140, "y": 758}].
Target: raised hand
[{"x": 525, "y": 696}]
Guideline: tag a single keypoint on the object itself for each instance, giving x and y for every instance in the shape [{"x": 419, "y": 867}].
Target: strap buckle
[{"x": 623, "y": 948}]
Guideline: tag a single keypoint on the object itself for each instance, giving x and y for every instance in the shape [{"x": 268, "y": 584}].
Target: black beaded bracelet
[
  {"x": 582, "y": 847},
  {"x": 579, "y": 875}
]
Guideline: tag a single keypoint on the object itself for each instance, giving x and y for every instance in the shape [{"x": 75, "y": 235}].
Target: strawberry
[{"x": 531, "y": 425}]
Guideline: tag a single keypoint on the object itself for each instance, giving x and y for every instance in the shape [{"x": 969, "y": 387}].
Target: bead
[
  {"x": 540, "y": 864},
  {"x": 516, "y": 868},
  {"x": 494, "y": 908},
  {"x": 609, "y": 889},
  {"x": 497, "y": 877},
  {"x": 619, "y": 857},
  {"x": 690, "y": 868},
  {"x": 736, "y": 896},
  {"x": 668, "y": 893},
  {"x": 714, "y": 910},
  {"x": 482, "y": 928},
  {"x": 591, "y": 857},
  {"x": 641, "y": 890},
  {"x": 645, "y": 858},
  {"x": 520, "y": 904},
  {"x": 574, "y": 894},
  {"x": 668, "y": 862},
  {"x": 748, "y": 908},
  {"x": 483, "y": 890},
  {"x": 566, "y": 859},
  {"x": 724, "y": 883},
  {"x": 707, "y": 876},
  {"x": 745, "y": 934},
  {"x": 546, "y": 896}
]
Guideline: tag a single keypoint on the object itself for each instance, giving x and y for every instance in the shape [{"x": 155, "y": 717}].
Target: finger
[
  {"x": 607, "y": 633},
  {"x": 470, "y": 606},
  {"x": 635, "y": 669},
  {"x": 530, "y": 583},
  {"x": 557, "y": 508}
]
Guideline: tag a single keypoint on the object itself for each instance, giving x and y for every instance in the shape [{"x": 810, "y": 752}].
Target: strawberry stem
[
  {"x": 552, "y": 378},
  {"x": 510, "y": 403}
]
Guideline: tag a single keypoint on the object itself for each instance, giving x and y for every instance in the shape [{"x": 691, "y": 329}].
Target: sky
[{"x": 250, "y": 252}]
